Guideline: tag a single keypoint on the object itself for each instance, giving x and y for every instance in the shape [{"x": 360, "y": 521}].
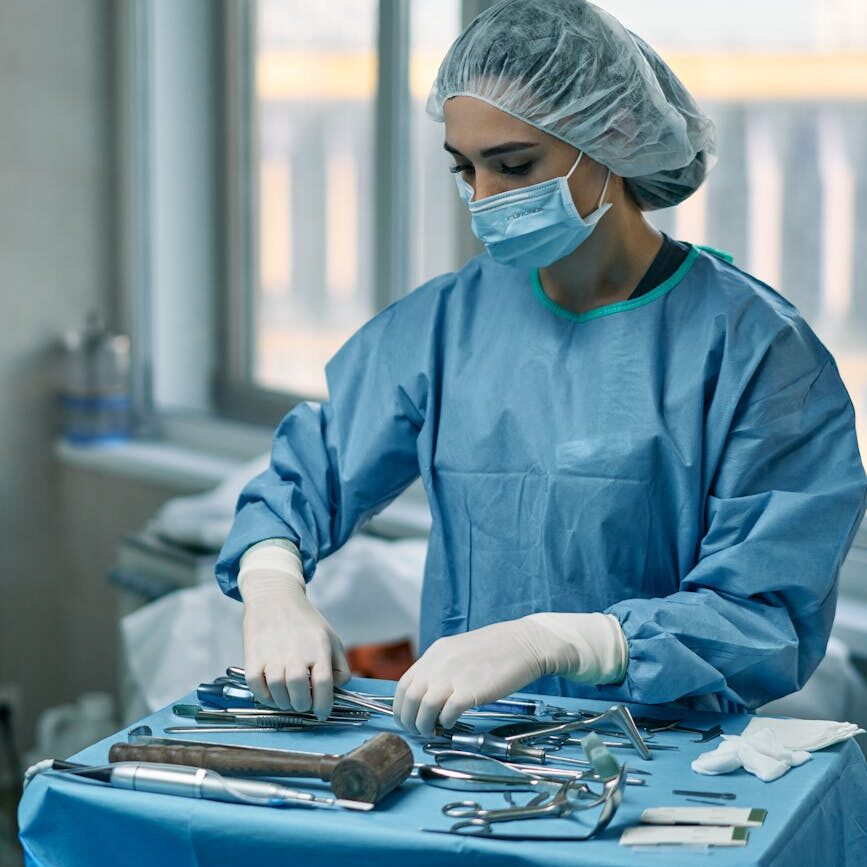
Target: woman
[{"x": 641, "y": 463}]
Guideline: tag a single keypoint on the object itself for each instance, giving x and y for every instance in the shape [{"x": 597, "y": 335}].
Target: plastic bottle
[{"x": 95, "y": 389}]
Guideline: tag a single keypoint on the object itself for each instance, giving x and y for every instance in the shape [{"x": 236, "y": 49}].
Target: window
[
  {"x": 338, "y": 149},
  {"x": 341, "y": 224},
  {"x": 786, "y": 84}
]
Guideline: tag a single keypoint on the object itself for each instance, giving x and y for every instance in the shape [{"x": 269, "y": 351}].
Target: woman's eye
[
  {"x": 459, "y": 168},
  {"x": 516, "y": 170}
]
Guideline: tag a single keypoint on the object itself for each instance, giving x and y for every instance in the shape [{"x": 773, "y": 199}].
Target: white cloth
[
  {"x": 768, "y": 747},
  {"x": 804, "y": 734},
  {"x": 204, "y": 520},
  {"x": 761, "y": 754}
]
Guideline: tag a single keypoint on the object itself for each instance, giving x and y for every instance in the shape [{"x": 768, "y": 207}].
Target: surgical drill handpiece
[{"x": 191, "y": 782}]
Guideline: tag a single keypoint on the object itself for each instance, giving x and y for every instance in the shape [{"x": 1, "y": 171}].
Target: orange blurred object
[{"x": 382, "y": 661}]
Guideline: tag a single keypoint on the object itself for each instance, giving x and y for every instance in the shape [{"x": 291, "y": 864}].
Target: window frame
[{"x": 236, "y": 394}]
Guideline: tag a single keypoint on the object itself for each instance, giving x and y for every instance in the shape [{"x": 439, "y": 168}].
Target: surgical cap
[{"x": 573, "y": 71}]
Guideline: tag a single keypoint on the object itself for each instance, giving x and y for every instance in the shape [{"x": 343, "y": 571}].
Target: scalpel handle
[{"x": 516, "y": 705}]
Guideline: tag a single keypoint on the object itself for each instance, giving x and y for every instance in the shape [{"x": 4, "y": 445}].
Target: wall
[{"x": 56, "y": 263}]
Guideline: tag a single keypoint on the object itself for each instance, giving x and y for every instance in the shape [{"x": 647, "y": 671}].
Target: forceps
[
  {"x": 504, "y": 779},
  {"x": 476, "y": 821},
  {"x": 463, "y": 768},
  {"x": 353, "y": 698},
  {"x": 557, "y": 742},
  {"x": 345, "y": 697},
  {"x": 445, "y": 756}
]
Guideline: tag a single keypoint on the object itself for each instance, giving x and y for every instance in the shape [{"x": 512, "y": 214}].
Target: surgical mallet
[{"x": 367, "y": 773}]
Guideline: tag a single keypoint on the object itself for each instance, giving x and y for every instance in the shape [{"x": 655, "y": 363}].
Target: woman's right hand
[{"x": 292, "y": 656}]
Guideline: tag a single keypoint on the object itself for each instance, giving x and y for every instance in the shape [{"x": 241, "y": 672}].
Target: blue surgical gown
[{"x": 685, "y": 461}]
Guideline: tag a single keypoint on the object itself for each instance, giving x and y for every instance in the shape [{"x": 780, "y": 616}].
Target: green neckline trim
[{"x": 620, "y": 306}]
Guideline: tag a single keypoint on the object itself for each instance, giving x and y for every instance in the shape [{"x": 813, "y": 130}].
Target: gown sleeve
[
  {"x": 750, "y": 621},
  {"x": 336, "y": 464}
]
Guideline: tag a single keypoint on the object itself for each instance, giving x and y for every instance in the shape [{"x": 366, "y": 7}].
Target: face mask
[{"x": 531, "y": 227}]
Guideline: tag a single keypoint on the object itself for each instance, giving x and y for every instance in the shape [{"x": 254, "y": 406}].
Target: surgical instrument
[
  {"x": 346, "y": 697},
  {"x": 556, "y": 742},
  {"x": 193, "y": 782},
  {"x": 725, "y": 796},
  {"x": 489, "y": 745},
  {"x": 651, "y": 725},
  {"x": 648, "y": 724},
  {"x": 617, "y": 714},
  {"x": 271, "y": 723},
  {"x": 476, "y": 820},
  {"x": 547, "y": 771},
  {"x": 473, "y": 764},
  {"x": 231, "y": 727},
  {"x": 191, "y": 711},
  {"x": 522, "y": 706},
  {"x": 507, "y": 781},
  {"x": 354, "y": 699},
  {"x": 270, "y": 720},
  {"x": 367, "y": 773},
  {"x": 226, "y": 695}
]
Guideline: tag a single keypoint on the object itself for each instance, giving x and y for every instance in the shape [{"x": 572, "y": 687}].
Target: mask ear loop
[
  {"x": 569, "y": 173},
  {"x": 604, "y": 189}
]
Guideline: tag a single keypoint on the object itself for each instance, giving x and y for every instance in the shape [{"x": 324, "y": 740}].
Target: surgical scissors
[{"x": 476, "y": 820}]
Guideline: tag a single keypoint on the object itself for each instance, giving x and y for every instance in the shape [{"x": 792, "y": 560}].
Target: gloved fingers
[
  {"x": 298, "y": 683},
  {"x": 255, "y": 675},
  {"x": 409, "y": 706},
  {"x": 400, "y": 691},
  {"x": 430, "y": 708},
  {"x": 339, "y": 664},
  {"x": 322, "y": 683},
  {"x": 276, "y": 685},
  {"x": 456, "y": 704}
]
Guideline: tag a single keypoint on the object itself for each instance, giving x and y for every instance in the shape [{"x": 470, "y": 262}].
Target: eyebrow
[{"x": 498, "y": 150}]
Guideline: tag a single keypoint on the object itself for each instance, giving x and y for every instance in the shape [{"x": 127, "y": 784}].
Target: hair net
[{"x": 572, "y": 70}]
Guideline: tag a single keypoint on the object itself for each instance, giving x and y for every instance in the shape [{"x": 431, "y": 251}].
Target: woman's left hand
[{"x": 461, "y": 671}]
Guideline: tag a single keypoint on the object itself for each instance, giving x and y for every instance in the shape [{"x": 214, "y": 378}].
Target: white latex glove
[
  {"x": 288, "y": 645},
  {"x": 461, "y": 671}
]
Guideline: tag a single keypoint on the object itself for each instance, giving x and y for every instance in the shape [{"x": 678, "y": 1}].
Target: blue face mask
[{"x": 531, "y": 227}]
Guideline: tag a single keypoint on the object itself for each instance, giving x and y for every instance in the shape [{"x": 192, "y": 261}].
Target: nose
[{"x": 485, "y": 186}]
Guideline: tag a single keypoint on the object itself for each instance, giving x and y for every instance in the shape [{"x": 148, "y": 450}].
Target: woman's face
[{"x": 496, "y": 152}]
